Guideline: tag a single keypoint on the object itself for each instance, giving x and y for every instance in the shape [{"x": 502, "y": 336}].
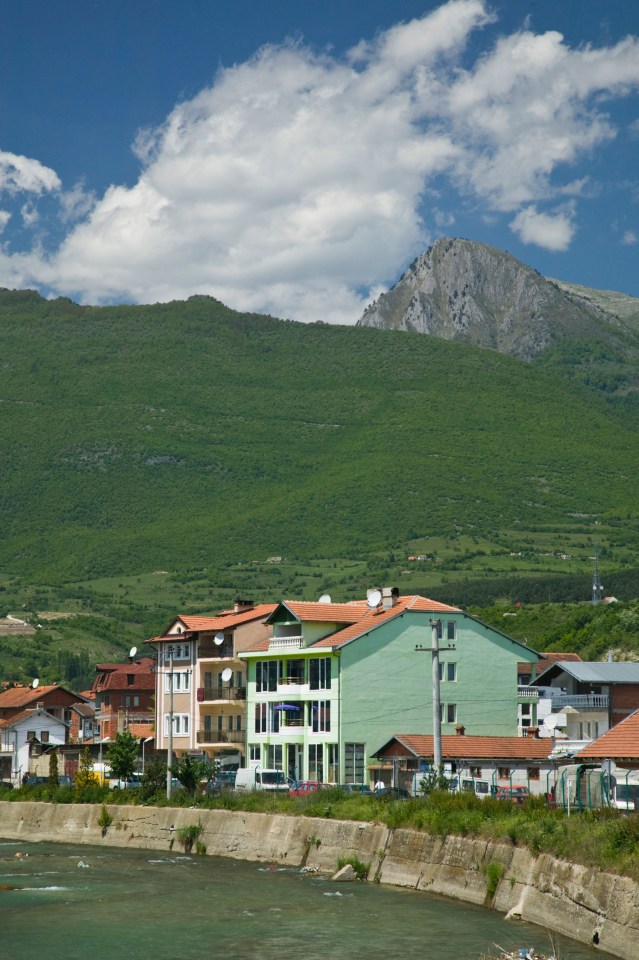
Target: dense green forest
[{"x": 174, "y": 456}]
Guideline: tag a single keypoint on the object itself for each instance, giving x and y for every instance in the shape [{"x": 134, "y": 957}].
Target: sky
[{"x": 293, "y": 158}]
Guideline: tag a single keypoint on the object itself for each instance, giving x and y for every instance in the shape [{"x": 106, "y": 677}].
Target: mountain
[
  {"x": 186, "y": 436},
  {"x": 467, "y": 291}
]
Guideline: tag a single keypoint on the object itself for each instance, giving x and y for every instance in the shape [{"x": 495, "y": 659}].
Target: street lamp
[{"x": 143, "y": 742}]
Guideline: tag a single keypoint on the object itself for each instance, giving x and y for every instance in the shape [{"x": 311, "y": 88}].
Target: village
[{"x": 380, "y": 693}]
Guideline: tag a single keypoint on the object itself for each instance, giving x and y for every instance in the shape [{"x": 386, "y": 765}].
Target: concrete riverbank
[{"x": 589, "y": 906}]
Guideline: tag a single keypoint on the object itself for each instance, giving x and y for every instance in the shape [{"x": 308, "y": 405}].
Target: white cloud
[
  {"x": 21, "y": 175},
  {"x": 629, "y": 238},
  {"x": 552, "y": 231},
  {"x": 5, "y": 216},
  {"x": 295, "y": 184}
]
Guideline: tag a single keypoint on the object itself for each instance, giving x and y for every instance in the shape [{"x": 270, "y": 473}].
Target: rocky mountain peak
[{"x": 462, "y": 290}]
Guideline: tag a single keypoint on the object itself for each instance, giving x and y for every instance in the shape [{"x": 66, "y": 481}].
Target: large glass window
[
  {"x": 451, "y": 671},
  {"x": 181, "y": 724},
  {"x": 354, "y": 757},
  {"x": 181, "y": 651},
  {"x": 320, "y": 716},
  {"x": 316, "y": 762},
  {"x": 274, "y": 756},
  {"x": 451, "y": 630},
  {"x": 333, "y": 762},
  {"x": 181, "y": 681},
  {"x": 294, "y": 671},
  {"x": 261, "y": 714},
  {"x": 319, "y": 673},
  {"x": 266, "y": 674},
  {"x": 255, "y": 752}
]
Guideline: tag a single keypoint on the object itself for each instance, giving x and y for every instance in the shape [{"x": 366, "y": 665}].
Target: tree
[
  {"x": 189, "y": 772},
  {"x": 122, "y": 755},
  {"x": 154, "y": 777},
  {"x": 54, "y": 778},
  {"x": 85, "y": 776}
]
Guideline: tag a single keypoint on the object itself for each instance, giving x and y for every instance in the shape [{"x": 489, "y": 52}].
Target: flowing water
[{"x": 60, "y": 902}]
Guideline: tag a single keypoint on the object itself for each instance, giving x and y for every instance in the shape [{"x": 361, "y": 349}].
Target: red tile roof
[
  {"x": 225, "y": 620},
  {"x": 471, "y": 747},
  {"x": 358, "y": 616},
  {"x": 21, "y": 696},
  {"x": 621, "y": 742},
  {"x": 548, "y": 659}
]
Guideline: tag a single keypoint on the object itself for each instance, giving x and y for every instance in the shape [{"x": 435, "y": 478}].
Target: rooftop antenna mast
[{"x": 597, "y": 587}]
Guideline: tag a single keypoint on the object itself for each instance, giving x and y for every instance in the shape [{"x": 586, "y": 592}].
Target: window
[
  {"x": 238, "y": 722},
  {"x": 354, "y": 756},
  {"x": 181, "y": 681},
  {"x": 44, "y": 736},
  {"x": 319, "y": 673},
  {"x": 320, "y": 717},
  {"x": 294, "y": 671},
  {"x": 333, "y": 762},
  {"x": 136, "y": 701},
  {"x": 316, "y": 761},
  {"x": 266, "y": 674},
  {"x": 503, "y": 773},
  {"x": 181, "y": 651},
  {"x": 451, "y": 630},
  {"x": 274, "y": 757},
  {"x": 130, "y": 680},
  {"x": 239, "y": 679},
  {"x": 451, "y": 672},
  {"x": 255, "y": 752},
  {"x": 181, "y": 724},
  {"x": 475, "y": 771},
  {"x": 31, "y": 735},
  {"x": 261, "y": 713},
  {"x": 440, "y": 629},
  {"x": 451, "y": 713},
  {"x": 533, "y": 773},
  {"x": 127, "y": 701}
]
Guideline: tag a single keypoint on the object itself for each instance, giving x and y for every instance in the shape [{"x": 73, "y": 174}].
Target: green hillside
[
  {"x": 186, "y": 434},
  {"x": 155, "y": 458}
]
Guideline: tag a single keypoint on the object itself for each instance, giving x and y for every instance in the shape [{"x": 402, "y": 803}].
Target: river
[{"x": 88, "y": 903}]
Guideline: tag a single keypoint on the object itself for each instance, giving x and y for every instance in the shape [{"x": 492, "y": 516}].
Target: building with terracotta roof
[
  {"x": 478, "y": 764},
  {"x": 25, "y": 739},
  {"x": 53, "y": 697},
  {"x": 333, "y": 681},
  {"x": 201, "y": 680},
  {"x": 124, "y": 694}
]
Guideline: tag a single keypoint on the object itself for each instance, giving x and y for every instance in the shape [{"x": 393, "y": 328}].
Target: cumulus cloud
[
  {"x": 552, "y": 231},
  {"x": 21, "y": 175},
  {"x": 295, "y": 183},
  {"x": 629, "y": 238}
]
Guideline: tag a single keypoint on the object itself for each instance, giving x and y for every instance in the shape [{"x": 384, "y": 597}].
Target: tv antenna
[
  {"x": 227, "y": 674},
  {"x": 132, "y": 652},
  {"x": 218, "y": 639},
  {"x": 35, "y": 683},
  {"x": 374, "y": 598},
  {"x": 325, "y": 598}
]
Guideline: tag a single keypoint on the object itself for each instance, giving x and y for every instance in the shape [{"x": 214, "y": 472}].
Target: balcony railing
[
  {"x": 209, "y": 694},
  {"x": 286, "y": 643},
  {"x": 221, "y": 736},
  {"x": 291, "y": 682},
  {"x": 530, "y": 693},
  {"x": 584, "y": 701},
  {"x": 211, "y": 651}
]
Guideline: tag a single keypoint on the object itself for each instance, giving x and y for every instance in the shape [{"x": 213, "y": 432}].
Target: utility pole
[
  {"x": 169, "y": 752},
  {"x": 597, "y": 586},
  {"x": 435, "y": 650}
]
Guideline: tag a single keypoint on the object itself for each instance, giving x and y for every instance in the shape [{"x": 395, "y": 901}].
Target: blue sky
[{"x": 293, "y": 158}]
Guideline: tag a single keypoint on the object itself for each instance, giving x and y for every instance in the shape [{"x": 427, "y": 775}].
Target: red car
[{"x": 303, "y": 787}]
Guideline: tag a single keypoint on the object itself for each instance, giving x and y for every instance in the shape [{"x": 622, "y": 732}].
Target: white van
[{"x": 253, "y": 778}]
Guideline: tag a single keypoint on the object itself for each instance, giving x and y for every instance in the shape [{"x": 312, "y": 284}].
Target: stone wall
[{"x": 595, "y": 908}]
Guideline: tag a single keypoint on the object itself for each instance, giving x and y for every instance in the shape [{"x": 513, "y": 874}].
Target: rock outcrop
[{"x": 462, "y": 290}]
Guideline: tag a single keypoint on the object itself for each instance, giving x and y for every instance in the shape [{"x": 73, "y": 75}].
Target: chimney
[
  {"x": 532, "y": 732},
  {"x": 460, "y": 730},
  {"x": 242, "y": 605},
  {"x": 390, "y": 596}
]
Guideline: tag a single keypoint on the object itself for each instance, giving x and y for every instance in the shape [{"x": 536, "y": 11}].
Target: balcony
[
  {"x": 211, "y": 694},
  {"x": 213, "y": 651},
  {"x": 526, "y": 692},
  {"x": 286, "y": 643},
  {"x": 580, "y": 701},
  {"x": 221, "y": 736}
]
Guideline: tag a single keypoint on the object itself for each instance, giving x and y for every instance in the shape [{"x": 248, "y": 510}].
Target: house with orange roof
[
  {"x": 26, "y": 737},
  {"x": 333, "y": 681},
  {"x": 478, "y": 764},
  {"x": 201, "y": 681},
  {"x": 124, "y": 695}
]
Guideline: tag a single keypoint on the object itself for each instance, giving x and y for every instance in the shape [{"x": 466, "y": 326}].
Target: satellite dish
[
  {"x": 132, "y": 652},
  {"x": 218, "y": 639},
  {"x": 227, "y": 674},
  {"x": 35, "y": 683},
  {"x": 325, "y": 598},
  {"x": 374, "y": 598}
]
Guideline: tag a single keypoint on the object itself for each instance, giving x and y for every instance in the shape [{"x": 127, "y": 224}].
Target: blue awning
[{"x": 287, "y": 706}]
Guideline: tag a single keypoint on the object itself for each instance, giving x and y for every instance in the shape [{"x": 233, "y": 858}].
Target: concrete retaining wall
[{"x": 595, "y": 908}]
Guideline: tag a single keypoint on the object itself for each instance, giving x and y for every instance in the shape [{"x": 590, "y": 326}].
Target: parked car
[
  {"x": 517, "y": 795},
  {"x": 392, "y": 793},
  {"x": 273, "y": 781},
  {"x": 128, "y": 783},
  {"x": 36, "y": 781},
  {"x": 356, "y": 788},
  {"x": 303, "y": 787}
]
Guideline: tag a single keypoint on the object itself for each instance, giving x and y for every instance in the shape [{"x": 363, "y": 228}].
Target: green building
[{"x": 335, "y": 681}]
